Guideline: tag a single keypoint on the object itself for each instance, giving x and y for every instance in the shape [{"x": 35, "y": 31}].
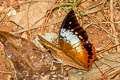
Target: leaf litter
[{"x": 23, "y": 60}]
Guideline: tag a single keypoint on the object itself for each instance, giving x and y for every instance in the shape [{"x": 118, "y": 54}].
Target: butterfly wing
[
  {"x": 74, "y": 41},
  {"x": 59, "y": 54}
]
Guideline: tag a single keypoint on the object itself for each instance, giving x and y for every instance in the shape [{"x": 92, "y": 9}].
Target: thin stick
[
  {"x": 46, "y": 20},
  {"x": 4, "y": 72},
  {"x": 99, "y": 69},
  {"x": 112, "y": 25},
  {"x": 28, "y": 22},
  {"x": 106, "y": 49},
  {"x": 107, "y": 75}
]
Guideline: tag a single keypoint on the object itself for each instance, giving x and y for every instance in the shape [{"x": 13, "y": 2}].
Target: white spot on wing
[
  {"x": 62, "y": 32},
  {"x": 74, "y": 39},
  {"x": 78, "y": 48}
]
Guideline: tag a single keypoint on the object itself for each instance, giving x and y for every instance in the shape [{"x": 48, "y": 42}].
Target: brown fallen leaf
[{"x": 30, "y": 63}]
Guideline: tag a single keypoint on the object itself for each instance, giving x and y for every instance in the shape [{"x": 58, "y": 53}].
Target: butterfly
[{"x": 73, "y": 48}]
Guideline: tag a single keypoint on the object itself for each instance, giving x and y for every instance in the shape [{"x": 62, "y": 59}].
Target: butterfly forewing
[{"x": 70, "y": 28}]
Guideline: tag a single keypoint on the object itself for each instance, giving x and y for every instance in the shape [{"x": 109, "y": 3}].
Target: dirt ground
[{"x": 27, "y": 18}]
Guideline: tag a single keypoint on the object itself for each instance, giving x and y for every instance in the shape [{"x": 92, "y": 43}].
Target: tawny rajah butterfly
[{"x": 73, "y": 49}]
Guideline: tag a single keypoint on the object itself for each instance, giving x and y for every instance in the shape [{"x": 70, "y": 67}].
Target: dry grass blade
[
  {"x": 105, "y": 49},
  {"x": 113, "y": 26}
]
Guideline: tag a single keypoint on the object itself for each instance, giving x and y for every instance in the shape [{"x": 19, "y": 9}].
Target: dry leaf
[{"x": 30, "y": 63}]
